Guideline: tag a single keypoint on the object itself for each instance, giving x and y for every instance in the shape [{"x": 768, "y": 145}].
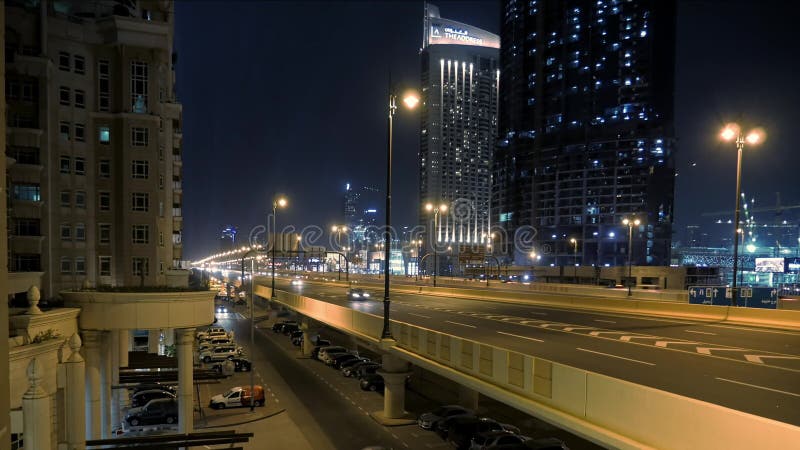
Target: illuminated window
[{"x": 104, "y": 135}]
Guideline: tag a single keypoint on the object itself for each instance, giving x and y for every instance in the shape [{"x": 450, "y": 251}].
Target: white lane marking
[
  {"x": 666, "y": 343},
  {"x": 757, "y": 358},
  {"x": 521, "y": 337},
  {"x": 604, "y": 321},
  {"x": 462, "y": 324},
  {"x": 758, "y": 387},
  {"x": 700, "y": 332},
  {"x": 707, "y": 350},
  {"x": 615, "y": 356},
  {"x": 419, "y": 315}
]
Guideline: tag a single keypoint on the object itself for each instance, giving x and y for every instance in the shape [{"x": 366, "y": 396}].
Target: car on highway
[
  {"x": 222, "y": 309},
  {"x": 497, "y": 439},
  {"x": 297, "y": 281},
  {"x": 429, "y": 420},
  {"x": 357, "y": 294},
  {"x": 155, "y": 412},
  {"x": 141, "y": 398},
  {"x": 220, "y": 353},
  {"x": 238, "y": 396}
]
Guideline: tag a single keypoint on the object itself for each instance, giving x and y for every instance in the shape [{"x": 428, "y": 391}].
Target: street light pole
[
  {"x": 275, "y": 203},
  {"x": 575, "y": 254},
  {"x": 732, "y": 132},
  {"x": 630, "y": 224},
  {"x": 429, "y": 207}
]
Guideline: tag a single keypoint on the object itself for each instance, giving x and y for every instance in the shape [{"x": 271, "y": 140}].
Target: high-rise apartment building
[
  {"x": 586, "y": 130},
  {"x": 459, "y": 126},
  {"x": 94, "y": 132}
]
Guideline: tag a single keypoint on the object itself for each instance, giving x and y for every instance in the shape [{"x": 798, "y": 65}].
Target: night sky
[{"x": 290, "y": 97}]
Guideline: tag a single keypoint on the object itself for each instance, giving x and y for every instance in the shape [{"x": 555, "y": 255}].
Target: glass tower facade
[{"x": 586, "y": 131}]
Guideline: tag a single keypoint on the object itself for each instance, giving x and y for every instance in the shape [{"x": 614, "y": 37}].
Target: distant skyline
[{"x": 299, "y": 106}]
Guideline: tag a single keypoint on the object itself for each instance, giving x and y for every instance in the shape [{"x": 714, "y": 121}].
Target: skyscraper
[
  {"x": 94, "y": 133},
  {"x": 459, "y": 126},
  {"x": 586, "y": 130}
]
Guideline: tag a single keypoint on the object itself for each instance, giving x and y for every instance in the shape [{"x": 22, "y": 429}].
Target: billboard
[
  {"x": 792, "y": 265},
  {"x": 444, "y": 31},
  {"x": 767, "y": 265}
]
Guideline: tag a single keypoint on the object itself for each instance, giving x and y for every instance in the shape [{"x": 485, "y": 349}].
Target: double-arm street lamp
[
  {"x": 733, "y": 132},
  {"x": 410, "y": 101},
  {"x": 630, "y": 223},
  {"x": 278, "y": 201},
  {"x": 436, "y": 210}
]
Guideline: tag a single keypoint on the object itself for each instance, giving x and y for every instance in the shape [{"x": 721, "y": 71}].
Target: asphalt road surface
[{"x": 751, "y": 369}]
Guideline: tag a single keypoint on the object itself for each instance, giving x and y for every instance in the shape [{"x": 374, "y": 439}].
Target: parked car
[
  {"x": 217, "y": 342},
  {"x": 212, "y": 330},
  {"x": 278, "y": 327},
  {"x": 324, "y": 351},
  {"x": 297, "y": 341},
  {"x": 153, "y": 386},
  {"x": 497, "y": 439},
  {"x": 290, "y": 328},
  {"x": 545, "y": 444},
  {"x": 238, "y": 396},
  {"x": 220, "y": 353},
  {"x": 352, "y": 362},
  {"x": 240, "y": 302},
  {"x": 142, "y": 397},
  {"x": 296, "y": 334},
  {"x": 337, "y": 361},
  {"x": 366, "y": 369},
  {"x": 212, "y": 336},
  {"x": 429, "y": 420},
  {"x": 357, "y": 294},
  {"x": 239, "y": 365},
  {"x": 461, "y": 431},
  {"x": 372, "y": 382},
  {"x": 155, "y": 412},
  {"x": 352, "y": 371},
  {"x": 444, "y": 426}
]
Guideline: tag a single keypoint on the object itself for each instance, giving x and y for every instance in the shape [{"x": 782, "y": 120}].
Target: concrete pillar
[
  {"x": 75, "y": 398},
  {"x": 105, "y": 387},
  {"x": 36, "y": 410},
  {"x": 116, "y": 418},
  {"x": 184, "y": 339},
  {"x": 93, "y": 363},
  {"x": 153, "y": 339},
  {"x": 124, "y": 347},
  {"x": 394, "y": 372},
  {"x": 169, "y": 336},
  {"x": 309, "y": 333},
  {"x": 468, "y": 398}
]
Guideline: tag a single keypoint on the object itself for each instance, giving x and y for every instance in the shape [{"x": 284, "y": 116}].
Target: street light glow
[
  {"x": 411, "y": 100},
  {"x": 755, "y": 136},
  {"x": 282, "y": 202},
  {"x": 428, "y": 207},
  {"x": 730, "y": 132}
]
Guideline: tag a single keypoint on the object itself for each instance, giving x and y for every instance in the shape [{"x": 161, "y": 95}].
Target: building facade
[
  {"x": 94, "y": 132},
  {"x": 458, "y": 128},
  {"x": 586, "y": 131}
]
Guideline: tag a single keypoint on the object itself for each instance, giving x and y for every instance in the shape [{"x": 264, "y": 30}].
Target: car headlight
[
  {"x": 356, "y": 295},
  {"x": 366, "y": 295}
]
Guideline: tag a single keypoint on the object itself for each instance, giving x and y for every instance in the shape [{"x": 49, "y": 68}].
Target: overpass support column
[
  {"x": 395, "y": 372},
  {"x": 468, "y": 398},
  {"x": 309, "y": 333},
  {"x": 153, "y": 339},
  {"x": 183, "y": 340}
]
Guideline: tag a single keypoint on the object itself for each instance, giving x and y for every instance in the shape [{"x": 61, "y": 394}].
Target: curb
[{"x": 244, "y": 421}]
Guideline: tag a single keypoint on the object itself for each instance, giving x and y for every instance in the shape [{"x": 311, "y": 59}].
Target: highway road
[{"x": 755, "y": 370}]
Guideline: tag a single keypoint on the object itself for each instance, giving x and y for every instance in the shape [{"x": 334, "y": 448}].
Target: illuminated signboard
[
  {"x": 767, "y": 265},
  {"x": 792, "y": 265},
  {"x": 443, "y": 31}
]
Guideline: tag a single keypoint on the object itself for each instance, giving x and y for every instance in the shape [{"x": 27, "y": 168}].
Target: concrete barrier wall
[{"x": 611, "y": 412}]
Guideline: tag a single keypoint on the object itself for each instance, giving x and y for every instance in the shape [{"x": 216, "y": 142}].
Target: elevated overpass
[{"x": 605, "y": 409}]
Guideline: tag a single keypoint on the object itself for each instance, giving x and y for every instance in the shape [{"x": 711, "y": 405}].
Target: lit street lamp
[
  {"x": 630, "y": 224},
  {"x": 276, "y": 202},
  {"x": 732, "y": 132},
  {"x": 574, "y": 243},
  {"x": 436, "y": 209},
  {"x": 410, "y": 101},
  {"x": 338, "y": 229}
]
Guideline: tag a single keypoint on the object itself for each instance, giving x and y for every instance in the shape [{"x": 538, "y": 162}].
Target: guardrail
[{"x": 609, "y": 411}]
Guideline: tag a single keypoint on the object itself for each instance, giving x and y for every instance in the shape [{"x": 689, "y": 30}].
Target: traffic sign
[{"x": 750, "y": 297}]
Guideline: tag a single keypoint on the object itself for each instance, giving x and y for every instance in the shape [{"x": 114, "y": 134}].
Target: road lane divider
[
  {"x": 521, "y": 337},
  {"x": 615, "y": 356},
  {"x": 758, "y": 387}
]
